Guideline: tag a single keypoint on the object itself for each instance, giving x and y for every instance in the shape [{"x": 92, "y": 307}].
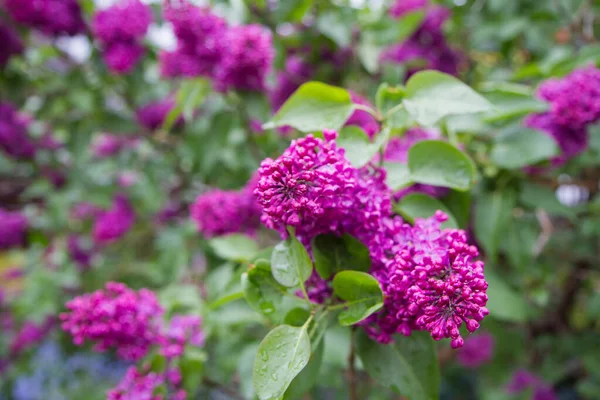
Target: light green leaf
[
  {"x": 333, "y": 254},
  {"x": 313, "y": 107},
  {"x": 420, "y": 205},
  {"x": 409, "y": 367},
  {"x": 290, "y": 262},
  {"x": 362, "y": 295},
  {"x": 519, "y": 147},
  {"x": 282, "y": 354},
  {"x": 262, "y": 292},
  {"x": 438, "y": 163},
  {"x": 397, "y": 175},
  {"x": 432, "y": 95},
  {"x": 333, "y": 25},
  {"x": 493, "y": 211},
  {"x": 359, "y": 150},
  {"x": 307, "y": 378},
  {"x": 503, "y": 302},
  {"x": 234, "y": 247}
]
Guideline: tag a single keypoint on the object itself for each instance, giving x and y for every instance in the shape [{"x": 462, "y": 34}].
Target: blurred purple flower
[
  {"x": 114, "y": 223},
  {"x": 13, "y": 228},
  {"x": 52, "y": 17},
  {"x": 10, "y": 44},
  {"x": 152, "y": 115},
  {"x": 477, "y": 351},
  {"x": 14, "y": 139}
]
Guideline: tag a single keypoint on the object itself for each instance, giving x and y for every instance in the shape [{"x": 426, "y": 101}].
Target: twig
[
  {"x": 547, "y": 229},
  {"x": 351, "y": 368}
]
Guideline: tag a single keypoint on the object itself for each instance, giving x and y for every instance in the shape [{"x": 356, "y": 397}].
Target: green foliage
[
  {"x": 333, "y": 254},
  {"x": 361, "y": 293},
  {"x": 419, "y": 205},
  {"x": 290, "y": 262}
]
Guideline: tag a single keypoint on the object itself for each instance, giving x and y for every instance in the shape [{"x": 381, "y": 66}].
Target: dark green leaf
[
  {"x": 333, "y": 254},
  {"x": 432, "y": 95},
  {"x": 290, "y": 262},
  {"x": 493, "y": 211},
  {"x": 438, "y": 163},
  {"x": 459, "y": 203},
  {"x": 419, "y": 205},
  {"x": 282, "y": 354},
  {"x": 517, "y": 148},
  {"x": 234, "y": 247},
  {"x": 192, "y": 368},
  {"x": 362, "y": 295},
  {"x": 410, "y": 367},
  {"x": 314, "y": 106}
]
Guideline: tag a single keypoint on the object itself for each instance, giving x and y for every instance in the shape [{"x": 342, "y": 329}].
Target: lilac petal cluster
[
  {"x": 10, "y": 44},
  {"x": 120, "y": 29},
  {"x": 477, "y": 351},
  {"x": 85, "y": 210},
  {"x": 296, "y": 71},
  {"x": 362, "y": 118},
  {"x": 200, "y": 41},
  {"x": 219, "y": 212},
  {"x": 52, "y": 17},
  {"x": 136, "y": 385},
  {"x": 30, "y": 334},
  {"x": 106, "y": 145},
  {"x": 523, "y": 380},
  {"x": 247, "y": 59},
  {"x": 397, "y": 151},
  {"x": 430, "y": 280},
  {"x": 314, "y": 188},
  {"x": 114, "y": 223},
  {"x": 152, "y": 115},
  {"x": 14, "y": 139},
  {"x": 574, "y": 104},
  {"x": 79, "y": 252},
  {"x": 13, "y": 228},
  {"x": 427, "y": 47},
  {"x": 115, "y": 317},
  {"x": 183, "y": 330},
  {"x": 317, "y": 289}
]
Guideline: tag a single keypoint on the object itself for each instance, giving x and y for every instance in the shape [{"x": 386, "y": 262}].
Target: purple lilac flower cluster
[
  {"x": 29, "y": 334},
  {"x": 574, "y": 104},
  {"x": 52, "y": 17},
  {"x": 14, "y": 139},
  {"x": 115, "y": 317},
  {"x": 112, "y": 224},
  {"x": 137, "y": 385},
  {"x": 183, "y": 330},
  {"x": 152, "y": 115},
  {"x": 429, "y": 276},
  {"x": 314, "y": 188},
  {"x": 477, "y": 351},
  {"x": 10, "y": 43},
  {"x": 427, "y": 46},
  {"x": 523, "y": 380},
  {"x": 120, "y": 29},
  {"x": 397, "y": 151},
  {"x": 106, "y": 145},
  {"x": 218, "y": 212},
  {"x": 13, "y": 228},
  {"x": 237, "y": 58}
]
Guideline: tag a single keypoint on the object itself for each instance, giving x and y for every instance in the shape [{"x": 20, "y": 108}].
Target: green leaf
[
  {"x": 503, "y": 302},
  {"x": 307, "y": 378},
  {"x": 189, "y": 97},
  {"x": 438, "y": 163},
  {"x": 510, "y": 105},
  {"x": 335, "y": 26},
  {"x": 234, "y": 247},
  {"x": 459, "y": 203},
  {"x": 432, "y": 95},
  {"x": 290, "y": 262},
  {"x": 333, "y": 254},
  {"x": 397, "y": 175},
  {"x": 282, "y": 354},
  {"x": 420, "y": 205},
  {"x": 313, "y": 107},
  {"x": 519, "y": 147},
  {"x": 361, "y": 293},
  {"x": 292, "y": 10},
  {"x": 192, "y": 368},
  {"x": 540, "y": 197},
  {"x": 493, "y": 211},
  {"x": 359, "y": 150},
  {"x": 262, "y": 292},
  {"x": 409, "y": 367}
]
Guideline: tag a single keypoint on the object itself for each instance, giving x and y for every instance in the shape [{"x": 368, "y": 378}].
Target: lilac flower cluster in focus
[
  {"x": 52, "y": 17},
  {"x": 574, "y": 105},
  {"x": 120, "y": 29},
  {"x": 218, "y": 212},
  {"x": 236, "y": 58},
  {"x": 13, "y": 228},
  {"x": 115, "y": 317}
]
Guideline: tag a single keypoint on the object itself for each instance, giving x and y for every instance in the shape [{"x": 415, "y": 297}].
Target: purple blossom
[
  {"x": 10, "y": 44},
  {"x": 402, "y": 7},
  {"x": 200, "y": 41},
  {"x": 84, "y": 210},
  {"x": 152, "y": 115},
  {"x": 106, "y": 145},
  {"x": 317, "y": 289},
  {"x": 114, "y": 223},
  {"x": 362, "y": 118},
  {"x": 397, "y": 151},
  {"x": 52, "y": 17},
  {"x": 30, "y": 334},
  {"x": 295, "y": 73},
  {"x": 120, "y": 29},
  {"x": 115, "y": 317},
  {"x": 523, "y": 380},
  {"x": 127, "y": 179},
  {"x": 183, "y": 330},
  {"x": 13, "y": 228},
  {"x": 429, "y": 279},
  {"x": 14, "y": 139},
  {"x": 137, "y": 386},
  {"x": 477, "y": 351},
  {"x": 246, "y": 60},
  {"x": 79, "y": 252}
]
